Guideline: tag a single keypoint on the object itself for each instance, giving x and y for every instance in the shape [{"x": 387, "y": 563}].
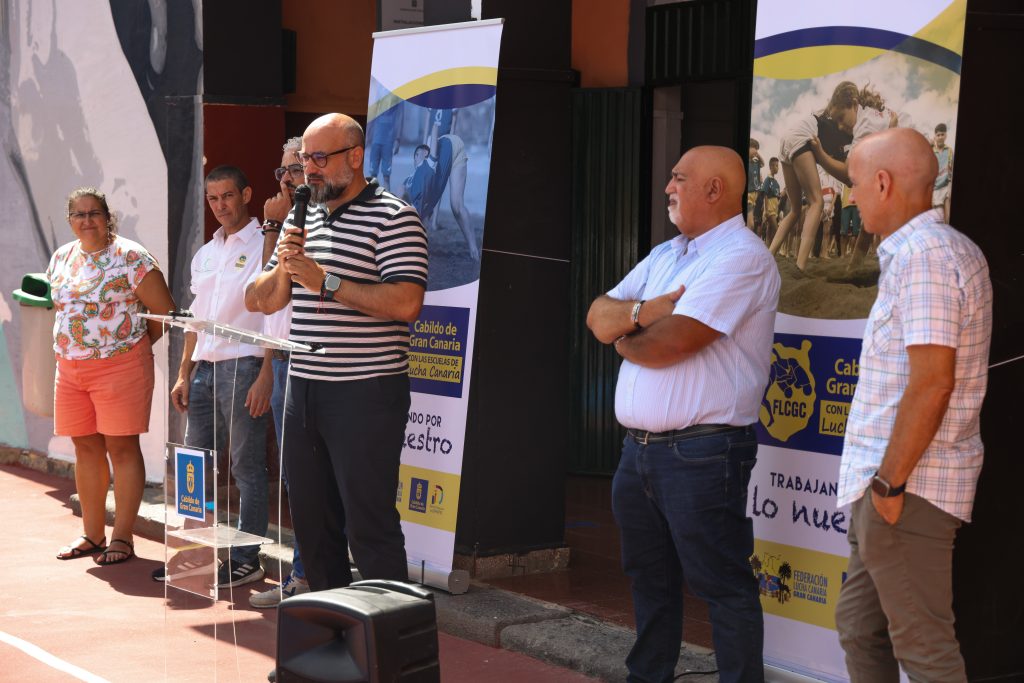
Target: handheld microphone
[{"x": 302, "y": 193}]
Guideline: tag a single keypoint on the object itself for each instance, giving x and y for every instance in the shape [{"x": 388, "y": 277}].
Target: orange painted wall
[
  {"x": 600, "y": 41},
  {"x": 249, "y": 137},
  {"x": 335, "y": 45}
]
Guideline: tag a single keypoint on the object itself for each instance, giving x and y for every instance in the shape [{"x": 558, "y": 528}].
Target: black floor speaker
[{"x": 369, "y": 632}]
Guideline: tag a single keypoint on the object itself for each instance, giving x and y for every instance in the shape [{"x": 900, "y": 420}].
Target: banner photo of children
[
  {"x": 435, "y": 153},
  {"x": 803, "y": 128},
  {"x": 430, "y": 123}
]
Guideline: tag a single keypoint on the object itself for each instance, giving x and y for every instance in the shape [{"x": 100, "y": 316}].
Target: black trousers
[{"x": 342, "y": 446}]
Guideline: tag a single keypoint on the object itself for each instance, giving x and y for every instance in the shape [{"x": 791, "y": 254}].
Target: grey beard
[{"x": 326, "y": 192}]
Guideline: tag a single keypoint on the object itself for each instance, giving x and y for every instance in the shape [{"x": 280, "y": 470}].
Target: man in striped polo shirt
[
  {"x": 912, "y": 452},
  {"x": 356, "y": 278}
]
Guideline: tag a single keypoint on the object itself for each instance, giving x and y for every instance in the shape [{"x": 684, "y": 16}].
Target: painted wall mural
[{"x": 101, "y": 93}]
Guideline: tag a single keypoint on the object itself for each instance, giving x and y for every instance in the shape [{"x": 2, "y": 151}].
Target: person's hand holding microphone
[{"x": 291, "y": 249}]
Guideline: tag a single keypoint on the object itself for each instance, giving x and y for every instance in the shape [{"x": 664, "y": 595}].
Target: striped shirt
[
  {"x": 934, "y": 289},
  {"x": 374, "y": 238},
  {"x": 732, "y": 286}
]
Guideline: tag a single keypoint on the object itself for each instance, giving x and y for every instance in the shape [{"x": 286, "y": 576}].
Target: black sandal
[
  {"x": 102, "y": 559},
  {"x": 73, "y": 551}
]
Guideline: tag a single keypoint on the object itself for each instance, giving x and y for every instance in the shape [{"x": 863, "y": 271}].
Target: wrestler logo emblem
[
  {"x": 788, "y": 401},
  {"x": 190, "y": 478}
]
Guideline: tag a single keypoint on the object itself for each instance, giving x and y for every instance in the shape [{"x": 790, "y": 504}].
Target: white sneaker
[{"x": 274, "y": 596}]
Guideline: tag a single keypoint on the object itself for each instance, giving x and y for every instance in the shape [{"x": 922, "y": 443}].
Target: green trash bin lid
[{"x": 35, "y": 291}]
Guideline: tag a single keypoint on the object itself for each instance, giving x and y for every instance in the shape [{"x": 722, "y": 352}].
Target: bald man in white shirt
[{"x": 694, "y": 324}]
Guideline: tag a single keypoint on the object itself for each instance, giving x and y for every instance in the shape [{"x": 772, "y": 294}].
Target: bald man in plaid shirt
[{"x": 913, "y": 450}]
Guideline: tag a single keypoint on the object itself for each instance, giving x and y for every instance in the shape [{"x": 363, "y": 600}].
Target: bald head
[
  {"x": 344, "y": 129},
  {"x": 706, "y": 189},
  {"x": 893, "y": 173}
]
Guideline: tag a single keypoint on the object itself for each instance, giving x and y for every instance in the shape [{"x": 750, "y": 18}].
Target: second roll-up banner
[
  {"x": 831, "y": 73},
  {"x": 430, "y": 124}
]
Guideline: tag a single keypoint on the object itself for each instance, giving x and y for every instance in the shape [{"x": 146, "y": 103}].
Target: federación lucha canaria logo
[
  {"x": 788, "y": 401},
  {"x": 772, "y": 579}
]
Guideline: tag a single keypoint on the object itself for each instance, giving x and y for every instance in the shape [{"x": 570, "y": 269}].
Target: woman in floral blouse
[{"x": 104, "y": 386}]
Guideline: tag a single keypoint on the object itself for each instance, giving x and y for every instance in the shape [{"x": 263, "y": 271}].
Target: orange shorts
[{"x": 110, "y": 396}]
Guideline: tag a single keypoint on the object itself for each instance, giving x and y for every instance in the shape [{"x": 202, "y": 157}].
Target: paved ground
[{"x": 73, "y": 620}]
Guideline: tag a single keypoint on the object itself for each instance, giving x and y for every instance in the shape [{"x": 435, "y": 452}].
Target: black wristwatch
[
  {"x": 884, "y": 489},
  {"x": 331, "y": 285}
]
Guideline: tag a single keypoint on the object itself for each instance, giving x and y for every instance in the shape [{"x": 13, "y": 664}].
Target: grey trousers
[{"x": 896, "y": 606}]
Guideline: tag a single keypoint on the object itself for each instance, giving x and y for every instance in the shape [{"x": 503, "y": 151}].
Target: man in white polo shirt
[
  {"x": 912, "y": 452},
  {"x": 225, "y": 386},
  {"x": 694, "y": 323}
]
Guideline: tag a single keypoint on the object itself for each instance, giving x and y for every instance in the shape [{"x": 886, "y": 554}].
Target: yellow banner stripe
[
  {"x": 462, "y": 75},
  {"x": 947, "y": 29},
  {"x": 812, "y": 62},
  {"x": 483, "y": 75}
]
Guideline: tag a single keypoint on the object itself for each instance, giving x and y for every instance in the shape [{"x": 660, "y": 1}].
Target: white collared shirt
[
  {"x": 732, "y": 286},
  {"x": 220, "y": 270},
  {"x": 934, "y": 289}
]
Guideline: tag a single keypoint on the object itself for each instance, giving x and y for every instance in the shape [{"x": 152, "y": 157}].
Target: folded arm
[{"x": 666, "y": 342}]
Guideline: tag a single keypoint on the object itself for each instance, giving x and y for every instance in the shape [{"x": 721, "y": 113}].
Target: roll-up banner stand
[
  {"x": 430, "y": 124},
  {"x": 903, "y": 59}
]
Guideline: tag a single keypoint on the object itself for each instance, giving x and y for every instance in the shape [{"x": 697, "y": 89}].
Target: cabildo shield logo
[
  {"x": 788, "y": 401},
  {"x": 190, "y": 478}
]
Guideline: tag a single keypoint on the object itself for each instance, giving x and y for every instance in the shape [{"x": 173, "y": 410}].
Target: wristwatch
[
  {"x": 634, "y": 315},
  {"x": 884, "y": 489},
  {"x": 331, "y": 285}
]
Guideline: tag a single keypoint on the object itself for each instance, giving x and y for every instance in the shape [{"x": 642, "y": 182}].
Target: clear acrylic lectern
[{"x": 197, "y": 513}]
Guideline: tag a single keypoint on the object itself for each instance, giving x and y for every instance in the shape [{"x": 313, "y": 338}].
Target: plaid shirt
[{"x": 934, "y": 289}]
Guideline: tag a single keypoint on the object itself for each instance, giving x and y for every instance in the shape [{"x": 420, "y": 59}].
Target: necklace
[{"x": 92, "y": 254}]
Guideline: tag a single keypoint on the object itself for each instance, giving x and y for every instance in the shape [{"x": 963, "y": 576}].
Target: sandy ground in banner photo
[{"x": 827, "y": 290}]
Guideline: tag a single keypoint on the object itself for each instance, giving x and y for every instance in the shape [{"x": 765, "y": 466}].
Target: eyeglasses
[
  {"x": 290, "y": 169},
  {"x": 82, "y": 215},
  {"x": 320, "y": 158}
]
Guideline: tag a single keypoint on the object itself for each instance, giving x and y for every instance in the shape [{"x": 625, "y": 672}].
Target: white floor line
[{"x": 50, "y": 660}]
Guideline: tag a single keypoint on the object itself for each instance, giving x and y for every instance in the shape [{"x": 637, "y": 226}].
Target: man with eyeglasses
[
  {"x": 356, "y": 277},
  {"x": 275, "y": 212}
]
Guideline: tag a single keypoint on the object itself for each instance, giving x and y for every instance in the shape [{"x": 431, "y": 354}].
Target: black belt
[{"x": 644, "y": 438}]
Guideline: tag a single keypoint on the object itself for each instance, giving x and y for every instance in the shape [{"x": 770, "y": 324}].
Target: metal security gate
[{"x": 610, "y": 207}]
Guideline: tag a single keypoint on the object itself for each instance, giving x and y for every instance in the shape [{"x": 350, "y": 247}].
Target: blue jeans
[
  {"x": 216, "y": 410},
  {"x": 277, "y": 408},
  {"x": 681, "y": 510}
]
